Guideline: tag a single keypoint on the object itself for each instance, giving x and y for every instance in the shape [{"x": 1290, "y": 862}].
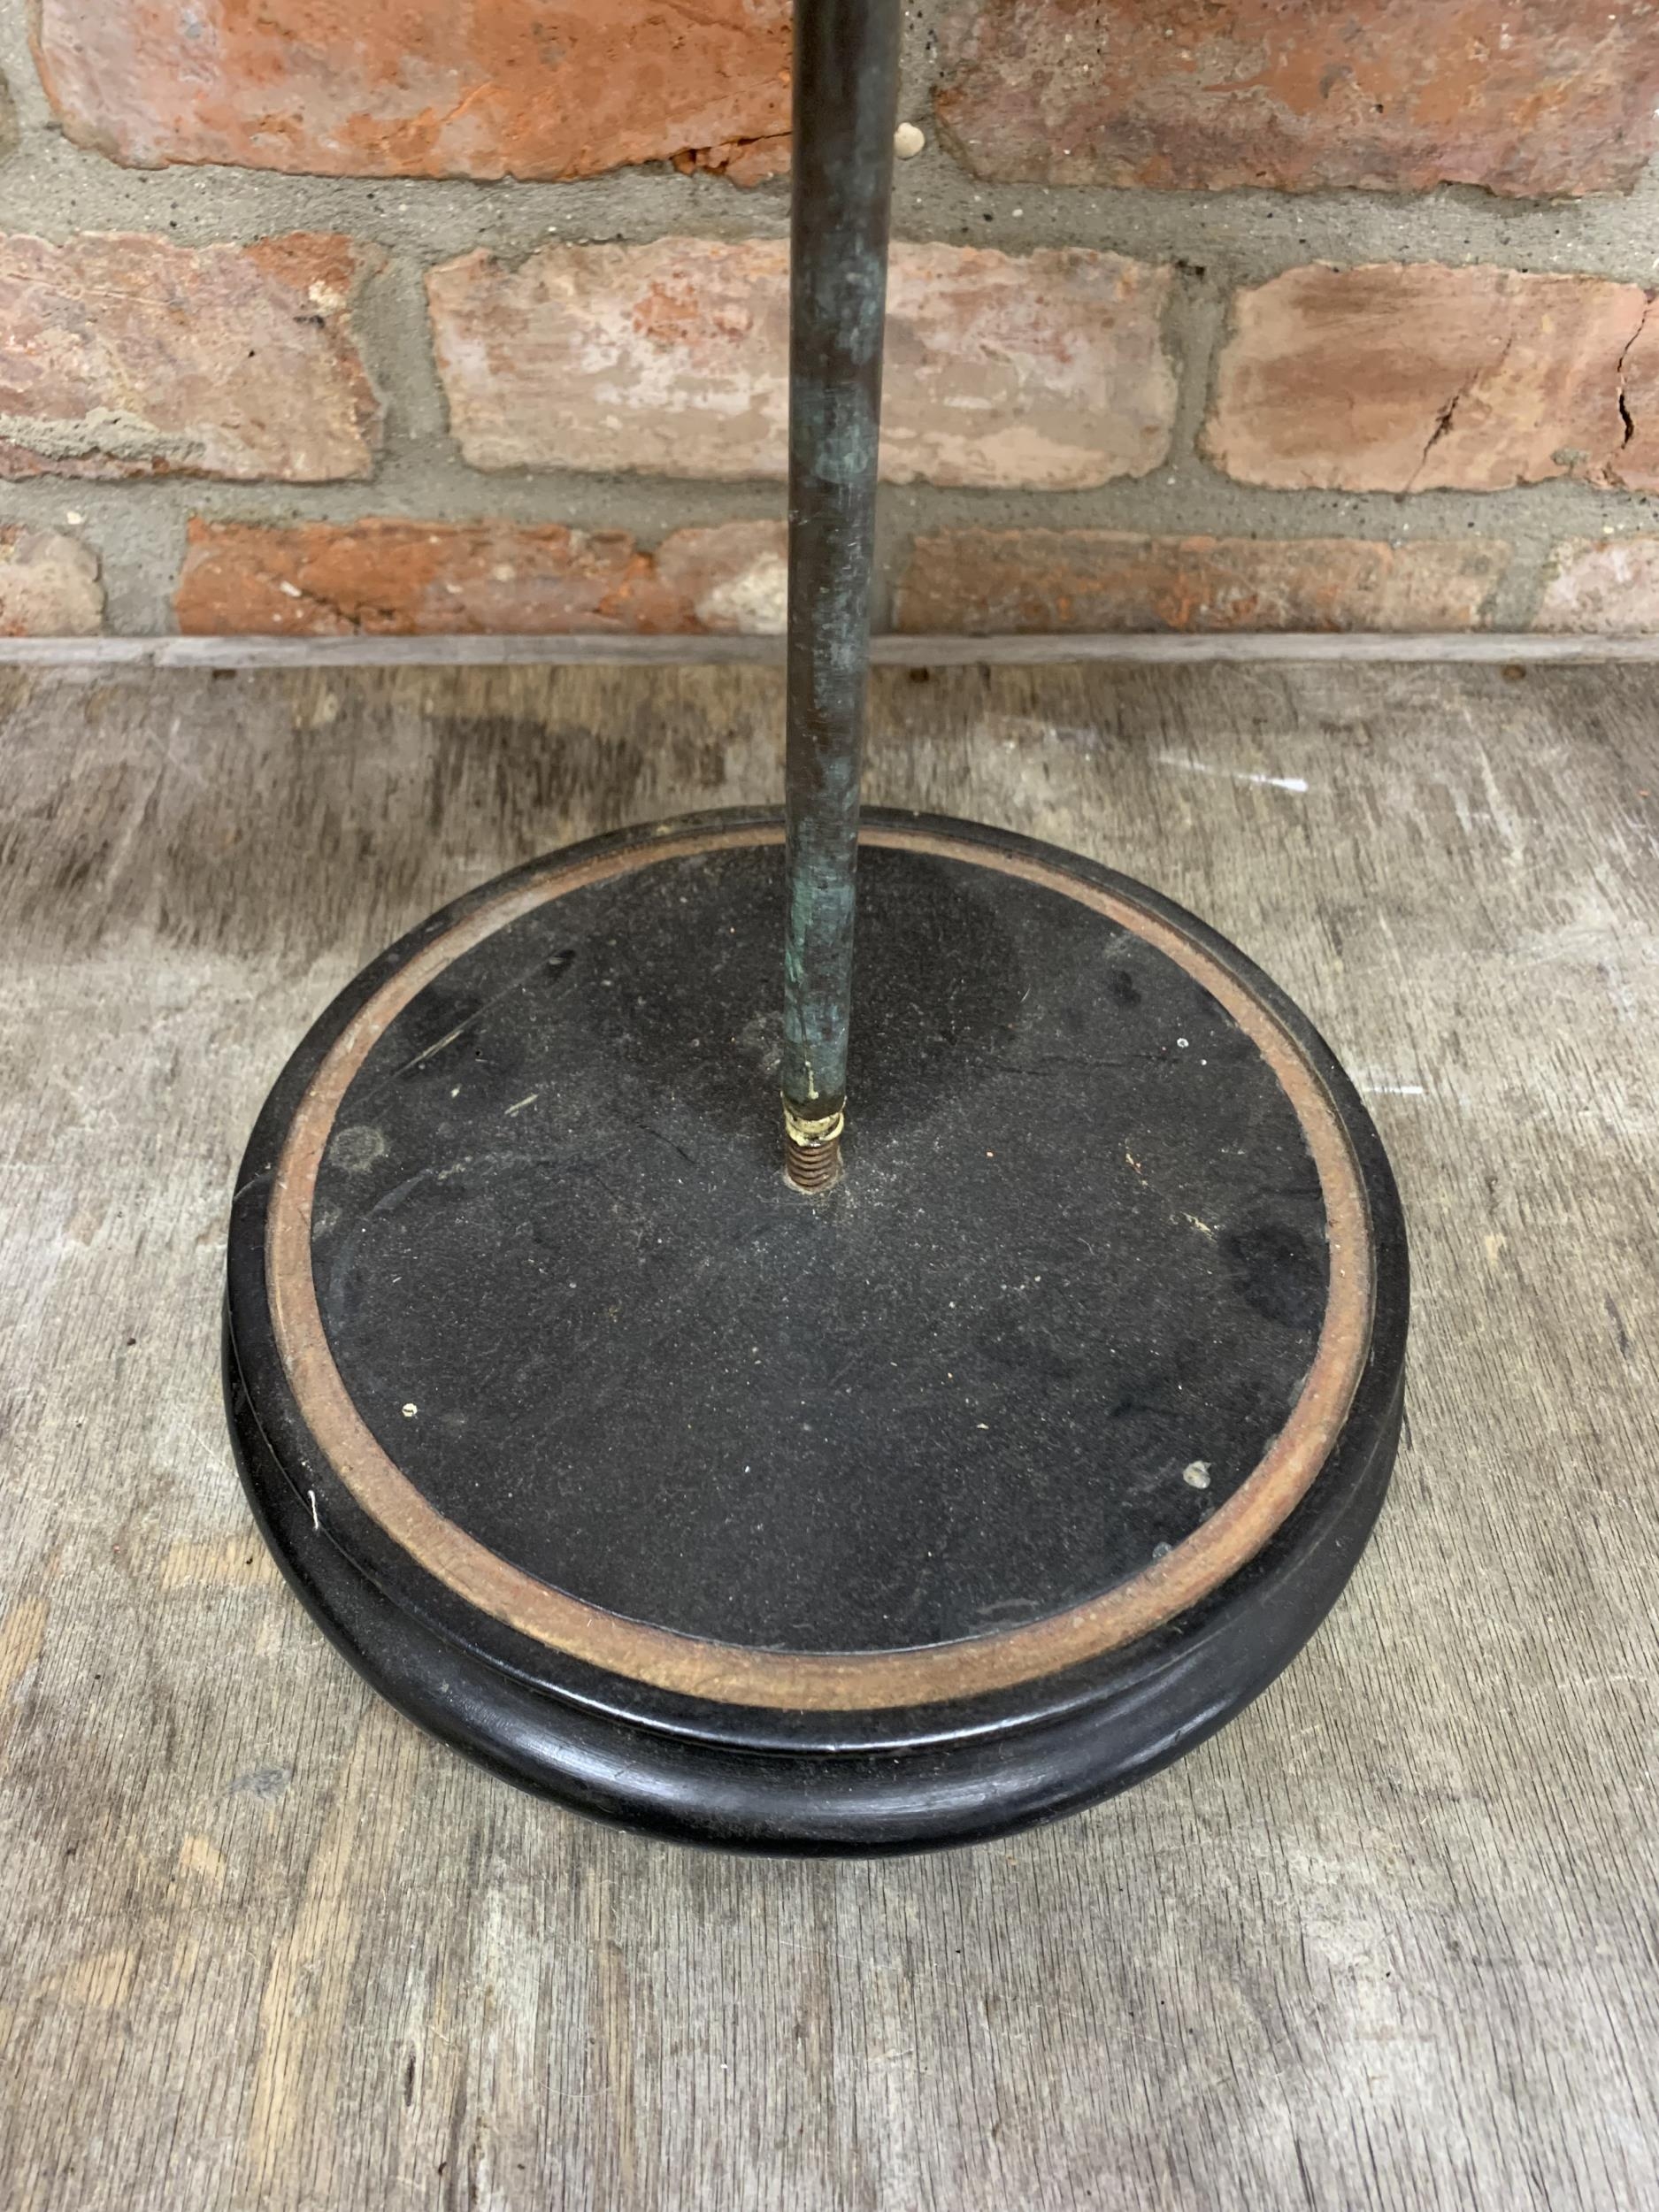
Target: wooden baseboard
[{"x": 1160, "y": 649}]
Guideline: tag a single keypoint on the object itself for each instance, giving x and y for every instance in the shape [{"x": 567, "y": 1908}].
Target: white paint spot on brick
[{"x": 757, "y": 601}]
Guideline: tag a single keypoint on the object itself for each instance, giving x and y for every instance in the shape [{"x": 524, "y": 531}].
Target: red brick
[
  {"x": 1401, "y": 377},
  {"x": 416, "y": 87},
  {"x": 999, "y": 582},
  {"x": 1633, "y": 464},
  {"x": 127, "y": 355},
  {"x": 49, "y": 585},
  {"x": 1522, "y": 97},
  {"x": 387, "y": 578},
  {"x": 1047, "y": 370},
  {"x": 1608, "y": 586}
]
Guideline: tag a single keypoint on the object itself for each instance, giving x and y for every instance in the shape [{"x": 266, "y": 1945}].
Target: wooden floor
[{"x": 1389, "y": 1942}]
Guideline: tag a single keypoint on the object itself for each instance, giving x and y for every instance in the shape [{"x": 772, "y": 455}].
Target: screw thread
[{"x": 811, "y": 1167}]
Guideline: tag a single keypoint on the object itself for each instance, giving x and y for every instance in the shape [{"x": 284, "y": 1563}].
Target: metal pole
[{"x": 846, "y": 102}]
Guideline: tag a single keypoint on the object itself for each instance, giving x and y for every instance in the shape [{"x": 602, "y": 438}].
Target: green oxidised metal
[{"x": 846, "y": 96}]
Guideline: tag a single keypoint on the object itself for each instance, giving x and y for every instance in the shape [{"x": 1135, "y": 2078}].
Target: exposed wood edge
[{"x": 888, "y": 651}]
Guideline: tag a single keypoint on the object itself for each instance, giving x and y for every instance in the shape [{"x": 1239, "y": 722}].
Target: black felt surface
[{"x": 1079, "y": 1248}]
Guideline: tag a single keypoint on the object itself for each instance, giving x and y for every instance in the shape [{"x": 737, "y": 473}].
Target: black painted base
[{"x": 947, "y": 1503}]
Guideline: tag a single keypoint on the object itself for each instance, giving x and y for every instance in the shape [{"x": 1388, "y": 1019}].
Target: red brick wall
[{"x": 421, "y": 315}]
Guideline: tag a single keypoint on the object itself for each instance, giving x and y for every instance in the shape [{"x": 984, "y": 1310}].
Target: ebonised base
[{"x": 947, "y": 1502}]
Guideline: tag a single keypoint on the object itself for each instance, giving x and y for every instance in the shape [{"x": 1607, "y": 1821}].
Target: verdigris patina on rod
[{"x": 845, "y": 99}]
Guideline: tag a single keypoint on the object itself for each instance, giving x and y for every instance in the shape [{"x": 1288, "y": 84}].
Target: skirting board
[{"x": 887, "y": 651}]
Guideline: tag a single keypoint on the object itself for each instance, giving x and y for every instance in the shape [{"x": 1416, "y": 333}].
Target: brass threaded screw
[{"x": 812, "y": 1149}]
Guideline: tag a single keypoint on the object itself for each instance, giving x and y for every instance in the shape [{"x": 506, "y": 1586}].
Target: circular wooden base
[{"x": 946, "y": 1502}]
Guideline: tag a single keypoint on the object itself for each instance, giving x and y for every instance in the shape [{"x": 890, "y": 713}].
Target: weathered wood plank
[{"x": 1388, "y": 1942}]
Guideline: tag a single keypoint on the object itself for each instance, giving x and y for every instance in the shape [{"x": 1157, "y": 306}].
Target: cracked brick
[
  {"x": 1635, "y": 467},
  {"x": 1412, "y": 376}
]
